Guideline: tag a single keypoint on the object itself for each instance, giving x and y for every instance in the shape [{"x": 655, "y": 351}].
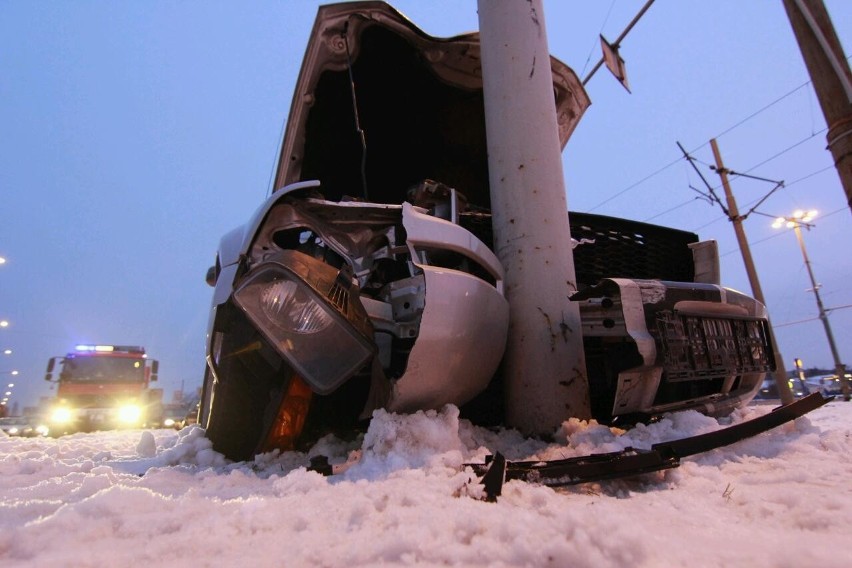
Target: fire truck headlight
[
  {"x": 311, "y": 316},
  {"x": 61, "y": 415},
  {"x": 130, "y": 414}
]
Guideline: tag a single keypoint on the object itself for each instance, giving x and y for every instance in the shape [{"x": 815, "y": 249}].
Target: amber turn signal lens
[{"x": 291, "y": 416}]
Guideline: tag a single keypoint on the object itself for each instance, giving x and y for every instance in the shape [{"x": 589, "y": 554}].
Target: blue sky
[{"x": 135, "y": 134}]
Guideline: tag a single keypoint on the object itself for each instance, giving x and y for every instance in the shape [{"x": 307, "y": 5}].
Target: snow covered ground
[{"x": 140, "y": 498}]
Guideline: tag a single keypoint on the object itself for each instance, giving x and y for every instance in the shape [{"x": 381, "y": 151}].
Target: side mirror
[
  {"x": 155, "y": 369},
  {"x": 211, "y": 276},
  {"x": 51, "y": 363}
]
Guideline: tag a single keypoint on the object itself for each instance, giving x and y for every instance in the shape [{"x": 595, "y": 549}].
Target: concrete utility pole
[
  {"x": 784, "y": 391},
  {"x": 839, "y": 368},
  {"x": 831, "y": 77},
  {"x": 544, "y": 366}
]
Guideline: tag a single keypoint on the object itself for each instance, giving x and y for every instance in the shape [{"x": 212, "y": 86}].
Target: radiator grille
[{"x": 620, "y": 248}]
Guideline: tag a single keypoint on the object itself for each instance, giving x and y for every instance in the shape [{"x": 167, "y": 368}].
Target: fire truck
[{"x": 104, "y": 387}]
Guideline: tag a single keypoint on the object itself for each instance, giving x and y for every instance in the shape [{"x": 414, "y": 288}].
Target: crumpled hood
[{"x": 420, "y": 105}]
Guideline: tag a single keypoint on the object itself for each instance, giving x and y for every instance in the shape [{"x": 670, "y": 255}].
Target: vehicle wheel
[{"x": 237, "y": 409}]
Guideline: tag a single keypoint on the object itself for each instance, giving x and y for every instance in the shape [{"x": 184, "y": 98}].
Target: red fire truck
[{"x": 104, "y": 387}]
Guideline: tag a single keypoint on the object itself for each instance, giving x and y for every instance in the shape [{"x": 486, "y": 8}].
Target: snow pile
[{"x": 405, "y": 497}]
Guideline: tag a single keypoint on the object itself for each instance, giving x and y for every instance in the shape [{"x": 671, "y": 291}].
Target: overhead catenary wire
[
  {"x": 786, "y": 186},
  {"x": 597, "y": 41},
  {"x": 676, "y": 207},
  {"x": 712, "y": 188},
  {"x": 694, "y": 150}
]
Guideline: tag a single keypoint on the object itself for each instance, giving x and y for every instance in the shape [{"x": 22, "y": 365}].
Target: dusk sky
[{"x": 135, "y": 134}]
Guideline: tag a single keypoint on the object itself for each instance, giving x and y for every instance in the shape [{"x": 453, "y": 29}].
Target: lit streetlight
[
  {"x": 4, "y": 323},
  {"x": 795, "y": 222},
  {"x": 7, "y": 352}
]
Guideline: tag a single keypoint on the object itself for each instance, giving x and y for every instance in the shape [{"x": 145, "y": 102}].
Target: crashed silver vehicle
[{"x": 366, "y": 280}]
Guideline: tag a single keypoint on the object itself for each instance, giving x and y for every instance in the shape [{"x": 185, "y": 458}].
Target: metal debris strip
[{"x": 630, "y": 462}]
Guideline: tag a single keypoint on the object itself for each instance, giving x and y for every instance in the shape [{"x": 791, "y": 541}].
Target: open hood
[{"x": 419, "y": 101}]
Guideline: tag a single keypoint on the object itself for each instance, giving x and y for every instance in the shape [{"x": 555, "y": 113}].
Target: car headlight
[
  {"x": 130, "y": 413},
  {"x": 42, "y": 430},
  {"x": 61, "y": 415},
  {"x": 168, "y": 422},
  {"x": 310, "y": 312},
  {"x": 13, "y": 430}
]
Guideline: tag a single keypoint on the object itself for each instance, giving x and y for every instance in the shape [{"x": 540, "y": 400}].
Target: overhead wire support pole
[
  {"x": 617, "y": 43},
  {"x": 839, "y": 368},
  {"x": 733, "y": 214},
  {"x": 831, "y": 77}
]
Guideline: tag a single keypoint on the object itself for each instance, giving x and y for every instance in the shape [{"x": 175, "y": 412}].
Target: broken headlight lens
[
  {"x": 287, "y": 305},
  {"x": 310, "y": 313}
]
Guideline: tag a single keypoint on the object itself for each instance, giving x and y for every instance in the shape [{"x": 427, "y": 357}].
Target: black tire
[{"x": 236, "y": 409}]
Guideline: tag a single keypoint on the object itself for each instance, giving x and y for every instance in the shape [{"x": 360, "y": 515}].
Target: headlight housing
[{"x": 310, "y": 313}]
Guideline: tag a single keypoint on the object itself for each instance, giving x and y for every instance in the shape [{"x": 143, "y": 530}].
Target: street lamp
[{"x": 795, "y": 222}]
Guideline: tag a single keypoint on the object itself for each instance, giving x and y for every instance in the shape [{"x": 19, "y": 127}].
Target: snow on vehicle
[
  {"x": 104, "y": 387},
  {"x": 367, "y": 279}
]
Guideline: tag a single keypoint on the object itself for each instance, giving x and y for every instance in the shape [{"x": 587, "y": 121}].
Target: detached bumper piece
[{"x": 630, "y": 462}]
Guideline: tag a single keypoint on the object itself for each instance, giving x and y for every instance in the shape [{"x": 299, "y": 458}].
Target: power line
[
  {"x": 786, "y": 186},
  {"x": 752, "y": 115},
  {"x": 722, "y": 217},
  {"x": 640, "y": 182},
  {"x": 726, "y": 131},
  {"x": 597, "y": 41},
  {"x": 799, "y": 143},
  {"x": 777, "y": 325},
  {"x": 685, "y": 203}
]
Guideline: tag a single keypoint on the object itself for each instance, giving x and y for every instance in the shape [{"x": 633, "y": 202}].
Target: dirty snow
[{"x": 145, "y": 498}]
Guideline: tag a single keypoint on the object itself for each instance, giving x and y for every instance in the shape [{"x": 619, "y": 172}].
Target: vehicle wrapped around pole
[{"x": 367, "y": 279}]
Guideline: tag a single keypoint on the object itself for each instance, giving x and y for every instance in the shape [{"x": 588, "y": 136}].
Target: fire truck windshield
[{"x": 103, "y": 369}]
